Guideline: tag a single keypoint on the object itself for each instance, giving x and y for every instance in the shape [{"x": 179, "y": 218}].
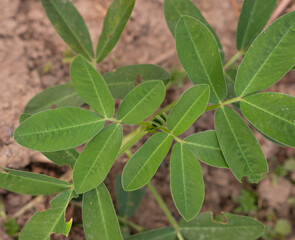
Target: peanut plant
[{"x": 229, "y": 90}]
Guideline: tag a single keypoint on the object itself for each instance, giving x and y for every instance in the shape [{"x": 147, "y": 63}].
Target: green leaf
[
  {"x": 67, "y": 156},
  {"x": 99, "y": 217},
  {"x": 269, "y": 58},
  {"x": 30, "y": 183},
  {"x": 141, "y": 102},
  {"x": 186, "y": 183},
  {"x": 273, "y": 114},
  {"x": 91, "y": 86},
  {"x": 114, "y": 23},
  {"x": 230, "y": 76},
  {"x": 122, "y": 80},
  {"x": 63, "y": 95},
  {"x": 97, "y": 158},
  {"x": 42, "y": 224},
  {"x": 69, "y": 24},
  {"x": 143, "y": 165},
  {"x": 235, "y": 227},
  {"x": 253, "y": 18},
  {"x": 198, "y": 53},
  {"x": 127, "y": 202},
  {"x": 174, "y": 9},
  {"x": 188, "y": 108},
  {"x": 206, "y": 148},
  {"x": 156, "y": 234},
  {"x": 23, "y": 117},
  {"x": 58, "y": 129},
  {"x": 239, "y": 146}
]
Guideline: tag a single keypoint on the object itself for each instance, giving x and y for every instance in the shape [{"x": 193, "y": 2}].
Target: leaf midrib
[
  {"x": 202, "y": 146},
  {"x": 183, "y": 178},
  {"x": 102, "y": 215}
]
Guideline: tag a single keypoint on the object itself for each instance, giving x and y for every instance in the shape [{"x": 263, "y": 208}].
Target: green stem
[
  {"x": 165, "y": 210},
  {"x": 133, "y": 225},
  {"x": 233, "y": 59}
]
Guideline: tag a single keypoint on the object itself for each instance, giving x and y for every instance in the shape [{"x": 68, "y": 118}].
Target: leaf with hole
[
  {"x": 269, "y": 58},
  {"x": 239, "y": 146},
  {"x": 30, "y": 183},
  {"x": 174, "y": 9},
  {"x": 121, "y": 81},
  {"x": 63, "y": 95},
  {"x": 198, "y": 54},
  {"x": 253, "y": 18},
  {"x": 273, "y": 114},
  {"x": 97, "y": 158},
  {"x": 99, "y": 217},
  {"x": 141, "y": 102},
  {"x": 69, "y": 24},
  {"x": 115, "y": 21},
  {"x": 143, "y": 165},
  {"x": 189, "y": 107},
  {"x": 58, "y": 129},
  {"x": 186, "y": 183},
  {"x": 91, "y": 86},
  {"x": 206, "y": 148}
]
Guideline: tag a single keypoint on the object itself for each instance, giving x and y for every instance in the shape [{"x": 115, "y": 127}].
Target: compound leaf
[
  {"x": 141, "y": 102},
  {"x": 91, "y": 86},
  {"x": 58, "y": 129},
  {"x": 273, "y": 114},
  {"x": 69, "y": 24},
  {"x": 174, "y": 9},
  {"x": 99, "y": 217},
  {"x": 63, "y": 95},
  {"x": 114, "y": 23},
  {"x": 235, "y": 227},
  {"x": 187, "y": 185},
  {"x": 67, "y": 156},
  {"x": 269, "y": 58},
  {"x": 121, "y": 81},
  {"x": 198, "y": 53},
  {"x": 42, "y": 224},
  {"x": 253, "y": 18},
  {"x": 239, "y": 146},
  {"x": 143, "y": 165},
  {"x": 206, "y": 148},
  {"x": 127, "y": 202},
  {"x": 188, "y": 108},
  {"x": 30, "y": 183},
  {"x": 97, "y": 158},
  {"x": 156, "y": 234}
]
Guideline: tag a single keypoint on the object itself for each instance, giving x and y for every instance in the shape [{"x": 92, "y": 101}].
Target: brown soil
[{"x": 28, "y": 43}]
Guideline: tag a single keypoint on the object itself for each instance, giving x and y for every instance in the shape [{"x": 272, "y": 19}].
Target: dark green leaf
[
  {"x": 122, "y": 80},
  {"x": 253, "y": 18},
  {"x": 239, "y": 146},
  {"x": 143, "y": 165},
  {"x": 68, "y": 156},
  {"x": 42, "y": 224},
  {"x": 97, "y": 158},
  {"x": 186, "y": 183},
  {"x": 127, "y": 202},
  {"x": 141, "y": 102},
  {"x": 23, "y": 117},
  {"x": 230, "y": 76},
  {"x": 114, "y": 23},
  {"x": 91, "y": 86},
  {"x": 269, "y": 58},
  {"x": 99, "y": 217},
  {"x": 156, "y": 234},
  {"x": 206, "y": 148},
  {"x": 69, "y": 24},
  {"x": 198, "y": 53},
  {"x": 30, "y": 183},
  {"x": 174, "y": 9},
  {"x": 63, "y": 95},
  {"x": 235, "y": 227},
  {"x": 188, "y": 108},
  {"x": 58, "y": 129},
  {"x": 273, "y": 114}
]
